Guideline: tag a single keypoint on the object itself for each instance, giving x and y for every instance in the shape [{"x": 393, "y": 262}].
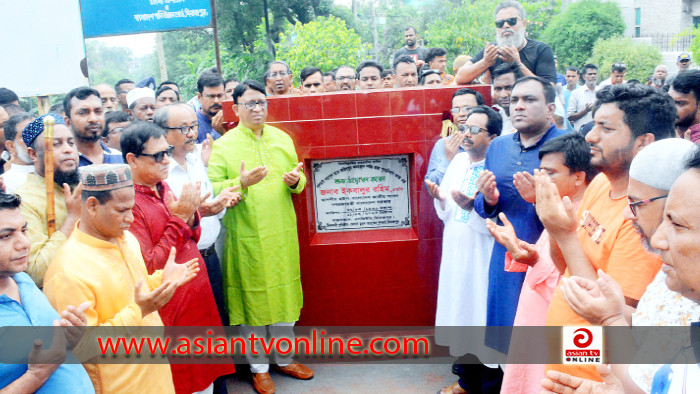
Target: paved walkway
[{"x": 357, "y": 378}]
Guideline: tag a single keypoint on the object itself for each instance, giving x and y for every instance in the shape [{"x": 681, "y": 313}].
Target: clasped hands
[{"x": 252, "y": 177}]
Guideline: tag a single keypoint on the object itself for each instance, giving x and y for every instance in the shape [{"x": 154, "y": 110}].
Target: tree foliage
[
  {"x": 467, "y": 28},
  {"x": 640, "y": 58},
  {"x": 108, "y": 64},
  {"x": 325, "y": 43},
  {"x": 573, "y": 33}
]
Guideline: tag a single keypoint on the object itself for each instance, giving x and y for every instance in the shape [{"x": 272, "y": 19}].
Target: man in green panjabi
[{"x": 261, "y": 271}]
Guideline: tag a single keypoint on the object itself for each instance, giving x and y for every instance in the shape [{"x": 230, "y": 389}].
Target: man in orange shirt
[{"x": 627, "y": 118}]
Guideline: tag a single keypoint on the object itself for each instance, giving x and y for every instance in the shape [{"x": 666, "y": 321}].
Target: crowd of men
[{"x": 561, "y": 203}]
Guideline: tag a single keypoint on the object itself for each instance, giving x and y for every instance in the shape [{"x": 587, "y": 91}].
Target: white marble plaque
[{"x": 361, "y": 194}]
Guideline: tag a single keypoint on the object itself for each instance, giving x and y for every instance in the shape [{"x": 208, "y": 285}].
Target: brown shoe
[
  {"x": 298, "y": 371},
  {"x": 454, "y": 389},
  {"x": 263, "y": 383}
]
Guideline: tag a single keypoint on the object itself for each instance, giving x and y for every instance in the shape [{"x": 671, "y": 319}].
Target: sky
[{"x": 140, "y": 44}]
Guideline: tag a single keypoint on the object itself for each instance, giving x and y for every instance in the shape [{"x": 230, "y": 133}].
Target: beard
[
  {"x": 72, "y": 178},
  {"x": 517, "y": 39},
  {"x": 86, "y": 137},
  {"x": 686, "y": 122},
  {"x": 645, "y": 239},
  {"x": 22, "y": 155}
]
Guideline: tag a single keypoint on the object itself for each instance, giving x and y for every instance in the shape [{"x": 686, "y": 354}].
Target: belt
[{"x": 208, "y": 251}]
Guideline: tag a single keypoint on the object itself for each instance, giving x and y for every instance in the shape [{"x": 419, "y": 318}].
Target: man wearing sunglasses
[
  {"x": 262, "y": 279},
  {"x": 534, "y": 58},
  {"x": 627, "y": 119},
  {"x": 311, "y": 81},
  {"x": 162, "y": 223}
]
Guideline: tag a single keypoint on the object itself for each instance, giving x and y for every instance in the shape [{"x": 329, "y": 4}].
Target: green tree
[
  {"x": 302, "y": 45},
  {"x": 108, "y": 64},
  {"x": 573, "y": 33},
  {"x": 640, "y": 58},
  {"x": 468, "y": 27}
]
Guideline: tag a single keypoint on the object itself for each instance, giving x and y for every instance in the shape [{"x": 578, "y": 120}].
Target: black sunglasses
[
  {"x": 159, "y": 156},
  {"x": 633, "y": 205},
  {"x": 511, "y": 22}
]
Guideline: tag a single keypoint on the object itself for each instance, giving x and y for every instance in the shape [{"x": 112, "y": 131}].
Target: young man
[
  {"x": 210, "y": 93},
  {"x": 580, "y": 106},
  {"x": 504, "y": 77},
  {"x": 123, "y": 87},
  {"x": 685, "y": 91},
  {"x": 369, "y": 73},
  {"x": 262, "y": 161},
  {"x": 102, "y": 264},
  {"x": 311, "y": 81},
  {"x": 567, "y": 161},
  {"x": 85, "y": 118},
  {"x": 115, "y": 123},
  {"x": 627, "y": 119},
  {"x": 437, "y": 60},
  {"x": 572, "y": 77},
  {"x": 33, "y": 192},
  {"x": 388, "y": 79},
  {"x": 445, "y": 149},
  {"x": 466, "y": 245},
  {"x": 345, "y": 78},
  {"x": 160, "y": 224},
  {"x": 412, "y": 49},
  {"x": 328, "y": 82},
  {"x": 23, "y": 304}
]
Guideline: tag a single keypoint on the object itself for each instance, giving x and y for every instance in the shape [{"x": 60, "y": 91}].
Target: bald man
[{"x": 109, "y": 98}]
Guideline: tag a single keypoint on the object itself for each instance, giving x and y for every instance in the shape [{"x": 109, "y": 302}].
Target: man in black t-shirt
[
  {"x": 412, "y": 49},
  {"x": 535, "y": 58}
]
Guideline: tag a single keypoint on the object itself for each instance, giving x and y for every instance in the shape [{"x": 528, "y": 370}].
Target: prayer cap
[
  {"x": 36, "y": 127},
  {"x": 139, "y": 93},
  {"x": 661, "y": 162},
  {"x": 105, "y": 177}
]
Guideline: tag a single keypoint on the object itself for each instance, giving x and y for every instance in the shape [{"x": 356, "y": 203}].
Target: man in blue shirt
[
  {"x": 85, "y": 118},
  {"x": 210, "y": 93},
  {"x": 445, "y": 149},
  {"x": 23, "y": 304},
  {"x": 531, "y": 108}
]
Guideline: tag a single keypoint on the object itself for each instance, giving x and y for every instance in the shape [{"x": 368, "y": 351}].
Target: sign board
[
  {"x": 42, "y": 47},
  {"x": 361, "y": 194},
  {"x": 109, "y": 18}
]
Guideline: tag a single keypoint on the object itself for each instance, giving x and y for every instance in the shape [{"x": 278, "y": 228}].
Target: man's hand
[
  {"x": 509, "y": 55},
  {"x": 291, "y": 178},
  {"x": 75, "y": 319},
  {"x": 490, "y": 54},
  {"x": 556, "y": 214},
  {"x": 43, "y": 363},
  {"x": 207, "y": 146},
  {"x": 217, "y": 123},
  {"x": 486, "y": 183},
  {"x": 73, "y": 200},
  {"x": 525, "y": 183},
  {"x": 189, "y": 201},
  {"x": 154, "y": 300},
  {"x": 601, "y": 302},
  {"x": 434, "y": 190},
  {"x": 520, "y": 251},
  {"x": 179, "y": 273},
  {"x": 250, "y": 178},
  {"x": 226, "y": 199},
  {"x": 420, "y": 63},
  {"x": 462, "y": 200},
  {"x": 452, "y": 145},
  {"x": 563, "y": 383}
]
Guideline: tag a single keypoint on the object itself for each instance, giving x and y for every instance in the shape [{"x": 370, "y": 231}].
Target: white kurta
[{"x": 466, "y": 250}]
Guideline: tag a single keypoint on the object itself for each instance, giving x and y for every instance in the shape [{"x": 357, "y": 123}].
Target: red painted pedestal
[{"x": 371, "y": 277}]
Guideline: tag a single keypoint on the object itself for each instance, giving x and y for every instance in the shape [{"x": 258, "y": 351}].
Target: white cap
[
  {"x": 661, "y": 162},
  {"x": 139, "y": 93}
]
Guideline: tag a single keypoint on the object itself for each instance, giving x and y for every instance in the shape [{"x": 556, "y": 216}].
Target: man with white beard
[{"x": 534, "y": 58}]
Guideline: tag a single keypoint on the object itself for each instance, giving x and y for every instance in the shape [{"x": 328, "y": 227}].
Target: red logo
[{"x": 583, "y": 339}]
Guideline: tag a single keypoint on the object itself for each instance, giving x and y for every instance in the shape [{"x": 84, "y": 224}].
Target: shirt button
[{"x": 519, "y": 163}]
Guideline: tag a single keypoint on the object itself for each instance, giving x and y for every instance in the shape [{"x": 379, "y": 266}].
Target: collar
[
  {"x": 25, "y": 169},
  {"x": 516, "y": 138},
  {"x": 87, "y": 239},
  {"x": 145, "y": 190}
]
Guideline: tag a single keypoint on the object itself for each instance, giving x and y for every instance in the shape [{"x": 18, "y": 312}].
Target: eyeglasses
[
  {"x": 457, "y": 110},
  {"x": 349, "y": 78},
  {"x": 279, "y": 74},
  {"x": 159, "y": 156},
  {"x": 511, "y": 22},
  {"x": 471, "y": 130},
  {"x": 633, "y": 205},
  {"x": 316, "y": 85},
  {"x": 116, "y": 130},
  {"x": 250, "y": 105},
  {"x": 219, "y": 96},
  {"x": 185, "y": 129}
]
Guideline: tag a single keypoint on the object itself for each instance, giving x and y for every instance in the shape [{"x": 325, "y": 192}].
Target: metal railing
[{"x": 670, "y": 42}]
